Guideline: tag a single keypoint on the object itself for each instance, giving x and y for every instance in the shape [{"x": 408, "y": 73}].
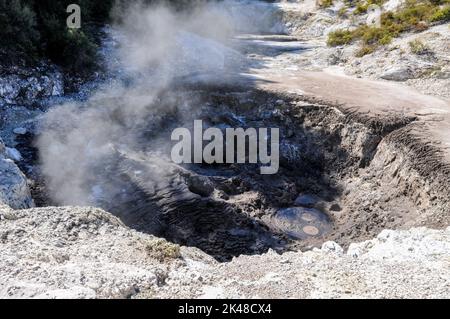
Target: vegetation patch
[
  {"x": 441, "y": 15},
  {"x": 365, "y": 49},
  {"x": 418, "y": 47},
  {"x": 363, "y": 6},
  {"x": 415, "y": 15},
  {"x": 162, "y": 250},
  {"x": 325, "y": 3},
  {"x": 340, "y": 37},
  {"x": 31, "y": 30}
]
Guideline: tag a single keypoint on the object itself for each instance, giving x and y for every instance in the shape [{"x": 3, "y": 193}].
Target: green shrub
[
  {"x": 362, "y": 6},
  {"x": 325, "y": 3},
  {"x": 442, "y": 15},
  {"x": 365, "y": 49},
  {"x": 34, "y": 29},
  {"x": 79, "y": 52},
  {"x": 18, "y": 28},
  {"x": 411, "y": 14},
  {"x": 373, "y": 35},
  {"x": 74, "y": 49},
  {"x": 369, "y": 35},
  {"x": 339, "y": 37},
  {"x": 414, "y": 15}
]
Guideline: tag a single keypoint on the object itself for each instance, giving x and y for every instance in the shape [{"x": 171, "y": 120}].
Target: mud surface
[
  {"x": 342, "y": 177},
  {"x": 356, "y": 156}
]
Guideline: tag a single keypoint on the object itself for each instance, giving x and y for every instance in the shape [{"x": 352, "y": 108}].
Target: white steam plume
[{"x": 157, "y": 46}]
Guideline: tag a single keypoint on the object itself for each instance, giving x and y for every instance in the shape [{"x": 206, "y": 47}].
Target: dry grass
[{"x": 163, "y": 250}]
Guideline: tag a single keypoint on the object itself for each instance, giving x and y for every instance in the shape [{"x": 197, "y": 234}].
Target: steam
[
  {"x": 81, "y": 143},
  {"x": 172, "y": 44}
]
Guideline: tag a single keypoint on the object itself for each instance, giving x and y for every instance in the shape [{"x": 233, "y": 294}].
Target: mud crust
[{"x": 367, "y": 172}]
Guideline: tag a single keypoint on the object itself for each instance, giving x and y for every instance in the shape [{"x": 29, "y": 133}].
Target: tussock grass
[
  {"x": 414, "y": 15},
  {"x": 162, "y": 250},
  {"x": 418, "y": 47}
]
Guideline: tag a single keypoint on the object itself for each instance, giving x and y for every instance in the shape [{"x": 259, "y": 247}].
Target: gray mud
[{"x": 338, "y": 159}]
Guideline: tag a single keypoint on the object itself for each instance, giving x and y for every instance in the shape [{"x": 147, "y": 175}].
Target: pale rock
[
  {"x": 13, "y": 154},
  {"x": 14, "y": 190},
  {"x": 20, "y": 131},
  {"x": 332, "y": 247},
  {"x": 398, "y": 74},
  {"x": 354, "y": 250},
  {"x": 386, "y": 235}
]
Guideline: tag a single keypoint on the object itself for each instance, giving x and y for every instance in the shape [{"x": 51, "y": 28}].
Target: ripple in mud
[{"x": 302, "y": 223}]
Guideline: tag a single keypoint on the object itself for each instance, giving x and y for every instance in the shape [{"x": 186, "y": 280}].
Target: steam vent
[{"x": 225, "y": 149}]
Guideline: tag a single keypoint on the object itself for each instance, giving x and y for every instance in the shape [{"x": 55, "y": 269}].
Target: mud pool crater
[{"x": 230, "y": 209}]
